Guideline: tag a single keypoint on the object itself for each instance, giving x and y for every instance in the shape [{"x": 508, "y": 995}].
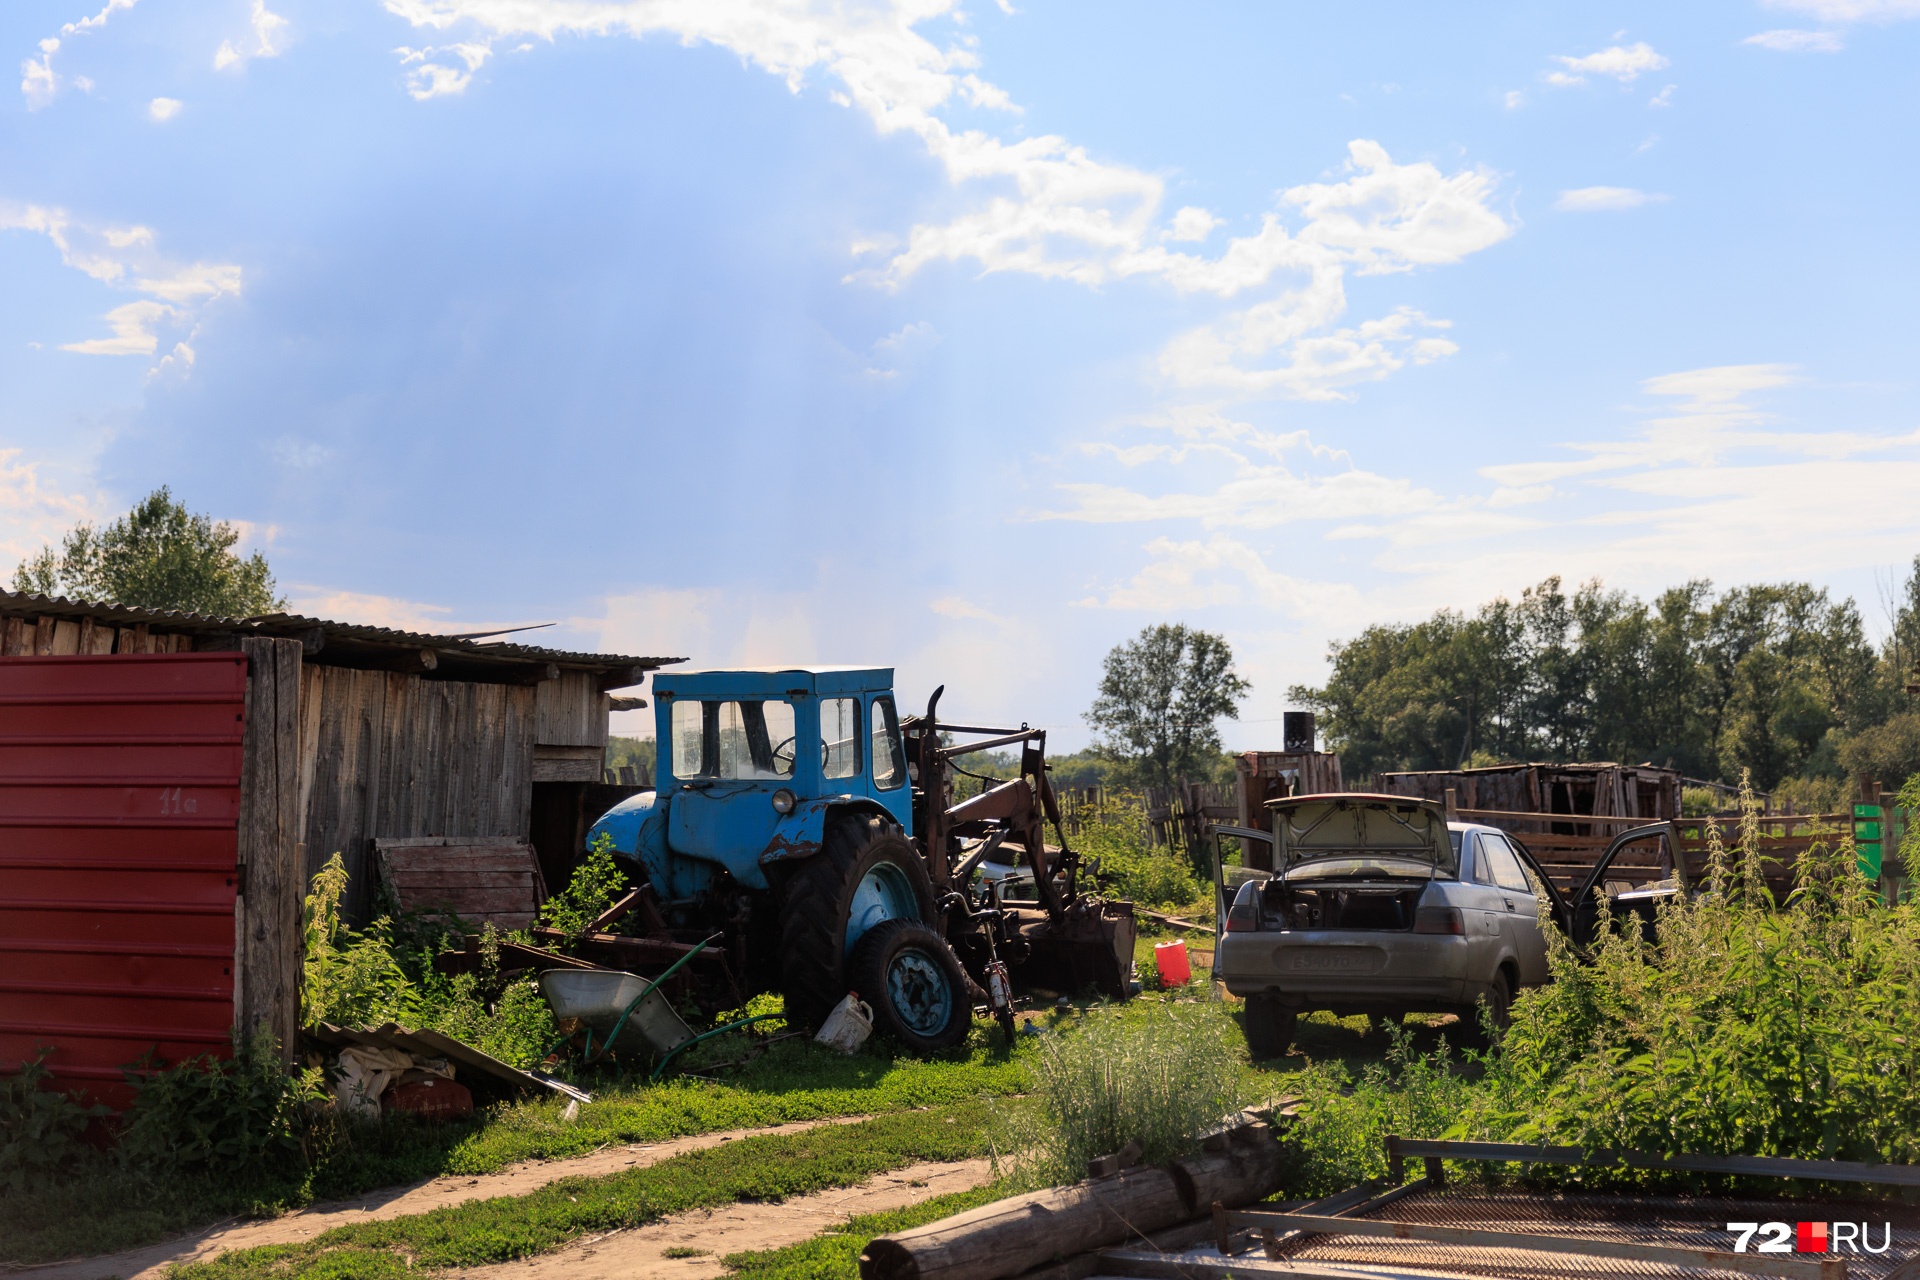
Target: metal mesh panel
[{"x": 1681, "y": 1221}]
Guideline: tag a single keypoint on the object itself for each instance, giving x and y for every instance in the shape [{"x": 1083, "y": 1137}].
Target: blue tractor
[{"x": 813, "y": 834}]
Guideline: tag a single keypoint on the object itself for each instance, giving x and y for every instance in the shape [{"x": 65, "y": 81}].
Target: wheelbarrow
[{"x": 630, "y": 1013}]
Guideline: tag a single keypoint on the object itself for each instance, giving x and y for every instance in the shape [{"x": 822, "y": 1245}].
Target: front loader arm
[{"x": 1012, "y": 802}]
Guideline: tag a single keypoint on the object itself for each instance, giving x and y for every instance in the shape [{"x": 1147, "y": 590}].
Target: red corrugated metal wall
[{"x": 119, "y": 812}]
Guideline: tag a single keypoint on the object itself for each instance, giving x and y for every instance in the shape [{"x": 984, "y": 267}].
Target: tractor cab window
[
  {"x": 839, "y": 737},
  {"x": 887, "y": 773},
  {"x": 733, "y": 740}
]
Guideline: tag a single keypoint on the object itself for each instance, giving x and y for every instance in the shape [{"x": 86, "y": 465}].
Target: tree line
[{"x": 1778, "y": 679}]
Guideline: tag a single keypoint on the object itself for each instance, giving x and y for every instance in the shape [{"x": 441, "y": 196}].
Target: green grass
[
  {"x": 108, "y": 1210},
  {"x": 796, "y": 1080},
  {"x": 835, "y": 1253},
  {"x": 767, "y": 1167}
]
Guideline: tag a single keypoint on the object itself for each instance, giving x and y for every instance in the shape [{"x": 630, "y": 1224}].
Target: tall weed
[
  {"x": 385, "y": 974},
  {"x": 42, "y": 1131},
  {"x": 350, "y": 977},
  {"x": 1115, "y": 832},
  {"x": 1752, "y": 1027},
  {"x": 1339, "y": 1139},
  {"x": 594, "y": 886},
  {"x": 1160, "y": 1076},
  {"x": 242, "y": 1118}
]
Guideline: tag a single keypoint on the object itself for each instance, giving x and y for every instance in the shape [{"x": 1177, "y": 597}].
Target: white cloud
[
  {"x": 432, "y": 79},
  {"x": 133, "y": 327},
  {"x": 1045, "y": 206},
  {"x": 1192, "y": 223},
  {"x": 1711, "y": 419},
  {"x": 263, "y": 39},
  {"x": 126, "y": 257},
  {"x": 1625, "y": 63},
  {"x": 1664, "y": 98},
  {"x": 1852, "y": 10},
  {"x": 299, "y": 455},
  {"x": 38, "y": 80},
  {"x": 1384, "y": 218},
  {"x": 33, "y": 510},
  {"x": 1603, "y": 199},
  {"x": 1262, "y": 480},
  {"x": 958, "y": 607},
  {"x": 902, "y": 349},
  {"x": 1792, "y": 41},
  {"x": 161, "y": 110},
  {"x": 373, "y": 610},
  {"x": 1514, "y": 100},
  {"x": 1268, "y": 543}
]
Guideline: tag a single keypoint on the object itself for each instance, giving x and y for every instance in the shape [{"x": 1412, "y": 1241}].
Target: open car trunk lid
[{"x": 1361, "y": 829}]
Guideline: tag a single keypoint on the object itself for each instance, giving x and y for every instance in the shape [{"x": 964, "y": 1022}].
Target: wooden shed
[
  {"x": 336, "y": 736},
  {"x": 1566, "y": 813},
  {"x": 1601, "y": 789}
]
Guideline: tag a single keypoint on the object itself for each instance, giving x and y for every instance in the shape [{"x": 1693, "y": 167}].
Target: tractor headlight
[{"x": 784, "y": 801}]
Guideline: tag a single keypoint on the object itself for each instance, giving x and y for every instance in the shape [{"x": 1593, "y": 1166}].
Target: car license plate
[{"x": 1330, "y": 960}]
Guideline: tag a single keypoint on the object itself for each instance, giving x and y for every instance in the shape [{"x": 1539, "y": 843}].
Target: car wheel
[
  {"x": 1499, "y": 1002},
  {"x": 1269, "y": 1026}
]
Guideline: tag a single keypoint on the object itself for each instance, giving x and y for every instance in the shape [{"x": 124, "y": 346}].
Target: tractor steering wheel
[{"x": 783, "y": 763}]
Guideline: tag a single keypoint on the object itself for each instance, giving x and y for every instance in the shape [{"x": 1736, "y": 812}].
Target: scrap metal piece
[
  {"x": 1751, "y": 1264},
  {"x": 497, "y": 1075}
]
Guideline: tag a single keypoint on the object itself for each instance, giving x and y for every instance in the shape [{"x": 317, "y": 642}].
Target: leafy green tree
[
  {"x": 1160, "y": 696},
  {"x": 158, "y": 556},
  {"x": 1778, "y": 679}
]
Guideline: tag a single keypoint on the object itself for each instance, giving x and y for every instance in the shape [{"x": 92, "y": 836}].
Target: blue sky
[{"x": 963, "y": 336}]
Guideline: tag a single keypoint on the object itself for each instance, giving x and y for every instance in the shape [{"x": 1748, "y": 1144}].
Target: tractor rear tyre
[
  {"x": 1269, "y": 1026},
  {"x": 920, "y": 995},
  {"x": 866, "y": 872}
]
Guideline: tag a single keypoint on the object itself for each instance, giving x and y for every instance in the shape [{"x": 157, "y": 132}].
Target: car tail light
[
  {"x": 1439, "y": 920},
  {"x": 1244, "y": 915}
]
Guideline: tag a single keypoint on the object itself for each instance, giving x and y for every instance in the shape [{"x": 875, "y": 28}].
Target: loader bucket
[{"x": 1091, "y": 947}]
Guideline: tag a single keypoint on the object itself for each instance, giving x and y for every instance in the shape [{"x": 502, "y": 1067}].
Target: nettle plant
[
  {"x": 1751, "y": 1026},
  {"x": 42, "y": 1131}
]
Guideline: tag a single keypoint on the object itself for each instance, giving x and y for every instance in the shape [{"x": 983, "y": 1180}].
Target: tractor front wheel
[{"x": 919, "y": 993}]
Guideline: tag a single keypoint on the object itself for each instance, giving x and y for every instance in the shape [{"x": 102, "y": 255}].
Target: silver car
[{"x": 1378, "y": 905}]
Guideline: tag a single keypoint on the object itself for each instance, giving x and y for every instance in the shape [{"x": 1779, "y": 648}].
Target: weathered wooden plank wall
[
  {"x": 267, "y": 941},
  {"x": 571, "y": 711},
  {"x": 52, "y": 636},
  {"x": 392, "y": 755}
]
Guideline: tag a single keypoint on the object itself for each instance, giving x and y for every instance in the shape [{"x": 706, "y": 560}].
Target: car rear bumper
[{"x": 1329, "y": 968}]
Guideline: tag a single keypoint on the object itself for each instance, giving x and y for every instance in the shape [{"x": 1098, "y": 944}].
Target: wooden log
[{"x": 1011, "y": 1236}]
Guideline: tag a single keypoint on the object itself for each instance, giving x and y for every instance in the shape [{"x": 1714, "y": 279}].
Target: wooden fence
[
  {"x": 1176, "y": 817},
  {"x": 1568, "y": 847}
]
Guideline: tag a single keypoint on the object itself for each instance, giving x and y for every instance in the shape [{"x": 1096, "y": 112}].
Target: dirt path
[
  {"x": 640, "y": 1254},
  {"x": 151, "y": 1261}
]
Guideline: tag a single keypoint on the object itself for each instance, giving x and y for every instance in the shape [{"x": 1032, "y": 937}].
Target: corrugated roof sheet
[{"x": 293, "y": 624}]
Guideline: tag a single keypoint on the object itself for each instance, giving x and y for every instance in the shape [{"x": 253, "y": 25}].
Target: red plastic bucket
[{"x": 1170, "y": 959}]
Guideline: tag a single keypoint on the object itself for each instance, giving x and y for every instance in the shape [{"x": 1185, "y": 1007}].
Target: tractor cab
[
  {"x": 787, "y": 736},
  {"x": 753, "y": 764}
]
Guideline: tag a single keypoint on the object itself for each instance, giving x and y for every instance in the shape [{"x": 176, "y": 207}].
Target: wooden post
[
  {"x": 268, "y": 947},
  {"x": 1453, "y": 805}
]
